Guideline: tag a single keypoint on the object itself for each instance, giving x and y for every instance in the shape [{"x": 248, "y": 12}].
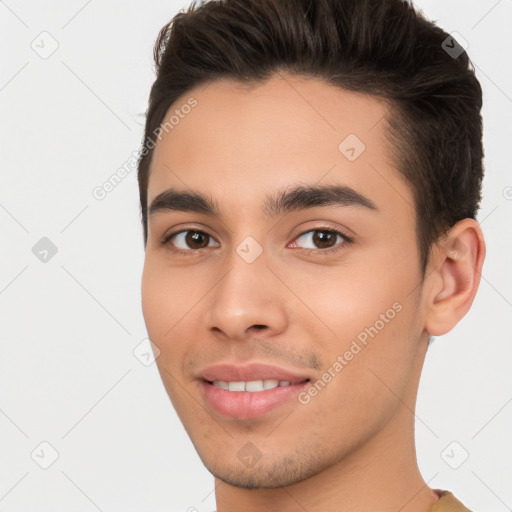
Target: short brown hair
[{"x": 380, "y": 47}]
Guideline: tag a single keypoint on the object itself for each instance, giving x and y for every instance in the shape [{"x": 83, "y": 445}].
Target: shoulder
[{"x": 448, "y": 503}]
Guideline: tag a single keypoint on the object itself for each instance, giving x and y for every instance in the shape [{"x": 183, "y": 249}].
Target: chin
[{"x": 281, "y": 471}]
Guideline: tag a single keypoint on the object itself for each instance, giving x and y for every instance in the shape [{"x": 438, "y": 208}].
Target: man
[{"x": 309, "y": 180}]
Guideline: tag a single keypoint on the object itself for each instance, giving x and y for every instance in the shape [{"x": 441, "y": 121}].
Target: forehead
[{"x": 239, "y": 142}]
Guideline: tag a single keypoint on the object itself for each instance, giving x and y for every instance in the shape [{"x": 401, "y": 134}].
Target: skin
[{"x": 352, "y": 446}]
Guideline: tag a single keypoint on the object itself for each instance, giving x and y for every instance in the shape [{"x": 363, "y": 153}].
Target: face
[{"x": 302, "y": 273}]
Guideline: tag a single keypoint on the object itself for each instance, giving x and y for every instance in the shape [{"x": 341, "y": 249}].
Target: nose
[{"x": 248, "y": 299}]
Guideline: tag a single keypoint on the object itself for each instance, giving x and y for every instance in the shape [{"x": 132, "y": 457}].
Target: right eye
[{"x": 189, "y": 241}]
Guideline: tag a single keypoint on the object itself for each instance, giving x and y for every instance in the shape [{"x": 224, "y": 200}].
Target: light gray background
[{"x": 69, "y": 326}]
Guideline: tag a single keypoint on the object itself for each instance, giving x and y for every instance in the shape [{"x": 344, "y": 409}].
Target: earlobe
[{"x": 453, "y": 283}]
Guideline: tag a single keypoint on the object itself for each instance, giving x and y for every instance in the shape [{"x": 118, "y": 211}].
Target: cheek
[
  {"x": 171, "y": 303},
  {"x": 340, "y": 302},
  {"x": 363, "y": 328},
  {"x": 362, "y": 385},
  {"x": 154, "y": 299},
  {"x": 167, "y": 296}
]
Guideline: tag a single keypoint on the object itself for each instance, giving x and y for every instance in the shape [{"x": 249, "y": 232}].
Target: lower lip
[{"x": 248, "y": 404}]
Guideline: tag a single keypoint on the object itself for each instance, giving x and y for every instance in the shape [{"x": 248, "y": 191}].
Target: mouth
[
  {"x": 250, "y": 399},
  {"x": 254, "y": 386},
  {"x": 251, "y": 391}
]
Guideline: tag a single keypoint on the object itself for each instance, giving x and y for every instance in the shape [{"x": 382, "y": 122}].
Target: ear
[{"x": 454, "y": 276}]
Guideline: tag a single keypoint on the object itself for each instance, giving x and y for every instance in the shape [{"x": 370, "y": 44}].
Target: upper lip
[{"x": 250, "y": 372}]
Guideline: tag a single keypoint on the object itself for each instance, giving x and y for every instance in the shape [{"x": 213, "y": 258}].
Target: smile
[
  {"x": 249, "y": 399},
  {"x": 252, "y": 386}
]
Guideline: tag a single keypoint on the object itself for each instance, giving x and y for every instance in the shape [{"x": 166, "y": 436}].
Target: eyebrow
[{"x": 298, "y": 198}]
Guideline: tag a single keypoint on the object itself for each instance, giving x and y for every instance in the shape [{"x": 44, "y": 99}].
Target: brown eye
[
  {"x": 190, "y": 240},
  {"x": 322, "y": 239},
  {"x": 196, "y": 239}
]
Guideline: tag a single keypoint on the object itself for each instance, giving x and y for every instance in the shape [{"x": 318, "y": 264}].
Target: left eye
[{"x": 322, "y": 238}]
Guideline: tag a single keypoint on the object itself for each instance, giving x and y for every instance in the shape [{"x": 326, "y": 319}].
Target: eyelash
[{"x": 324, "y": 252}]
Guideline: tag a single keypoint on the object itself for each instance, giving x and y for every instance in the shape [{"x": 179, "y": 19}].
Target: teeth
[
  {"x": 270, "y": 384},
  {"x": 254, "y": 385},
  {"x": 251, "y": 386},
  {"x": 237, "y": 386}
]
